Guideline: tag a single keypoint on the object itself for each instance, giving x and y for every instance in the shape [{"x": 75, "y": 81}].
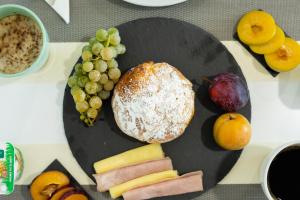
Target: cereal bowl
[{"x": 12, "y": 9}]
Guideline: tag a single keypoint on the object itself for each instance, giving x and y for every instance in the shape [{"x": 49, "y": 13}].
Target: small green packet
[{"x": 7, "y": 168}]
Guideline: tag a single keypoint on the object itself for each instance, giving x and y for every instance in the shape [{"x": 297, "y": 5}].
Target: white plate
[{"x": 155, "y": 3}]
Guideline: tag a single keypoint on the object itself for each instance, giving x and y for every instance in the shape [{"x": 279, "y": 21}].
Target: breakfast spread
[
  {"x": 258, "y": 30},
  {"x": 94, "y": 79},
  {"x": 20, "y": 43},
  {"x": 144, "y": 178},
  {"x": 153, "y": 102},
  {"x": 11, "y": 167},
  {"x": 54, "y": 185}
]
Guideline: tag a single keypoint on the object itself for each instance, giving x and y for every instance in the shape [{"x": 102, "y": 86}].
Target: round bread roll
[{"x": 153, "y": 103}]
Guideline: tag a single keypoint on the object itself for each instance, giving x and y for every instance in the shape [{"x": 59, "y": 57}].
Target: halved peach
[
  {"x": 256, "y": 27},
  {"x": 74, "y": 195},
  {"x": 61, "y": 193},
  {"x": 46, "y": 184},
  {"x": 286, "y": 58},
  {"x": 274, "y": 44}
]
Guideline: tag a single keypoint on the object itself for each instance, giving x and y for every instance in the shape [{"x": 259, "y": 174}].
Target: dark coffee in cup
[{"x": 284, "y": 174}]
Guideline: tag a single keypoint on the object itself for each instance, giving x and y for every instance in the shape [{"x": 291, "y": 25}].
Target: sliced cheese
[
  {"x": 131, "y": 157},
  {"x": 150, "y": 179}
]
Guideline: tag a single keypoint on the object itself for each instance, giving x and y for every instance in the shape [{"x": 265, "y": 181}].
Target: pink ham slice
[
  {"x": 191, "y": 182},
  {"x": 118, "y": 176}
]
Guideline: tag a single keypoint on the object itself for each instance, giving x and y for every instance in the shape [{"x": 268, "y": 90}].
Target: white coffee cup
[{"x": 266, "y": 166}]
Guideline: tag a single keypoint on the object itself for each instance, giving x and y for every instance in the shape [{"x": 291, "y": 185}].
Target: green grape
[
  {"x": 82, "y": 106},
  {"x": 87, "y": 66},
  {"x": 104, "y": 94},
  {"x": 113, "y": 30},
  {"x": 120, "y": 49},
  {"x": 82, "y": 80},
  {"x": 101, "y": 35},
  {"x": 108, "y": 53},
  {"x": 109, "y": 85},
  {"x": 74, "y": 88},
  {"x": 100, "y": 65},
  {"x": 115, "y": 81},
  {"x": 79, "y": 95},
  {"x": 91, "y": 87},
  {"x": 103, "y": 79},
  {"x": 92, "y": 41},
  {"x": 94, "y": 75},
  {"x": 114, "y": 73},
  {"x": 96, "y": 48},
  {"x": 86, "y": 48},
  {"x": 78, "y": 67},
  {"x": 95, "y": 102},
  {"x": 112, "y": 63},
  {"x": 72, "y": 81},
  {"x": 96, "y": 64},
  {"x": 100, "y": 87},
  {"x": 78, "y": 73},
  {"x": 82, "y": 117},
  {"x": 86, "y": 55},
  {"x": 92, "y": 113},
  {"x": 115, "y": 39}
]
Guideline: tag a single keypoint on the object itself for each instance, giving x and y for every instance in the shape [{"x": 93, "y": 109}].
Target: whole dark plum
[{"x": 229, "y": 91}]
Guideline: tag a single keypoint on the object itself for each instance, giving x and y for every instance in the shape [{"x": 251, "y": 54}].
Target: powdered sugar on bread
[{"x": 153, "y": 103}]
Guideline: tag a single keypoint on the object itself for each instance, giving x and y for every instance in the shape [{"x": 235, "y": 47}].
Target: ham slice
[
  {"x": 190, "y": 182},
  {"x": 115, "y": 177}
]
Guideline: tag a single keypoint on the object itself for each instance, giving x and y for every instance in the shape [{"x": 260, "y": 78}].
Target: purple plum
[{"x": 229, "y": 91}]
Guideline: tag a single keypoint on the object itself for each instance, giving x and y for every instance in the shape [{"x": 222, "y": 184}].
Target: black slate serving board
[{"x": 194, "y": 52}]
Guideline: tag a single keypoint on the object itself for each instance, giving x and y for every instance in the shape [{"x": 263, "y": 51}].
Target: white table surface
[{"x": 31, "y": 114}]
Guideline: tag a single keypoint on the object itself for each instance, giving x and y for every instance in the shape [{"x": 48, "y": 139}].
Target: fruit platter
[{"x": 147, "y": 108}]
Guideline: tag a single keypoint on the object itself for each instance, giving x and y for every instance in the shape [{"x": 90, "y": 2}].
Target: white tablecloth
[{"x": 31, "y": 114}]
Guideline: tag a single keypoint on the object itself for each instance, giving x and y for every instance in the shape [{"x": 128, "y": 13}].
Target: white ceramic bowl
[
  {"x": 11, "y": 9},
  {"x": 266, "y": 166}
]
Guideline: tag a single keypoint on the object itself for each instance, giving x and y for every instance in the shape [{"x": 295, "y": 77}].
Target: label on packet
[{"x": 7, "y": 168}]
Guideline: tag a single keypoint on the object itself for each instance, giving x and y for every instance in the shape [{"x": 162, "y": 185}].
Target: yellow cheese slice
[
  {"x": 150, "y": 179},
  {"x": 131, "y": 157}
]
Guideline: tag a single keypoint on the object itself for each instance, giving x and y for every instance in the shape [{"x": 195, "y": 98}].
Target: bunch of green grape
[{"x": 94, "y": 78}]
